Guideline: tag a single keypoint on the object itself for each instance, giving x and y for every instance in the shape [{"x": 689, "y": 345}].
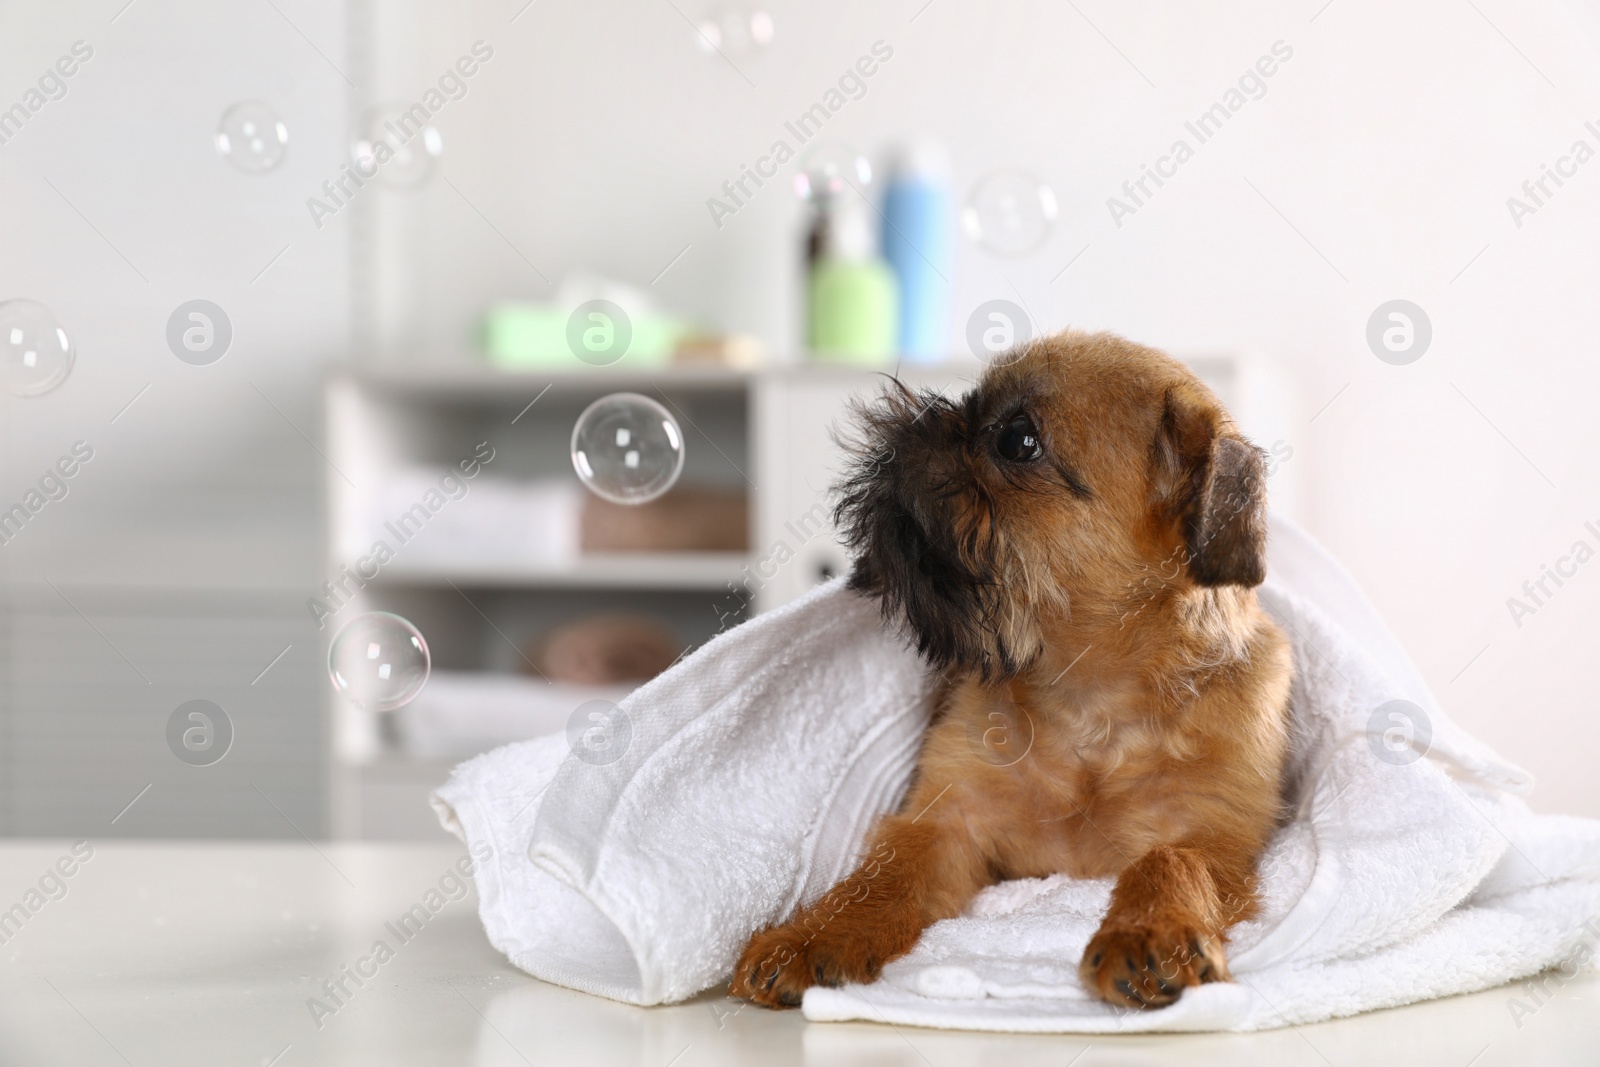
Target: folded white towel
[
  {"x": 430, "y": 515},
  {"x": 753, "y": 770},
  {"x": 462, "y": 713}
]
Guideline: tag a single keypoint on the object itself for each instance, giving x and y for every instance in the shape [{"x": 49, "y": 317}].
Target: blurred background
[{"x": 317, "y": 261}]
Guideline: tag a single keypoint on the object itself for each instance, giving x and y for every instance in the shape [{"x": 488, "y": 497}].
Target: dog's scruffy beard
[{"x": 918, "y": 507}]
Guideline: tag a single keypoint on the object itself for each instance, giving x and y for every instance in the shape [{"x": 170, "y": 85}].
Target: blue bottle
[{"x": 918, "y": 242}]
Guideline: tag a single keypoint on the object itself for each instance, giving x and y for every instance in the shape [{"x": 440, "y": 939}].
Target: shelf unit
[
  {"x": 769, "y": 432},
  {"x": 615, "y": 570}
]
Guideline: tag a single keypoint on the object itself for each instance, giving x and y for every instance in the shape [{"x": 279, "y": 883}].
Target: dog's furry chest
[{"x": 1078, "y": 782}]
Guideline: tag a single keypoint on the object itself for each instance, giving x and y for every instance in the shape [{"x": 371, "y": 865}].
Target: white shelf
[
  {"x": 622, "y": 570},
  {"x": 483, "y": 381},
  {"x": 478, "y": 380}
]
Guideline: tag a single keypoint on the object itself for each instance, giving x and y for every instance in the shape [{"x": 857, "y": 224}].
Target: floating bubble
[
  {"x": 35, "y": 352},
  {"x": 1010, "y": 213},
  {"x": 829, "y": 169},
  {"x": 627, "y": 448},
  {"x": 251, "y": 137},
  {"x": 733, "y": 31},
  {"x": 393, "y": 146},
  {"x": 379, "y": 661}
]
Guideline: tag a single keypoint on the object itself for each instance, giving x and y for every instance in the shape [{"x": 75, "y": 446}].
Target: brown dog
[{"x": 1074, "y": 545}]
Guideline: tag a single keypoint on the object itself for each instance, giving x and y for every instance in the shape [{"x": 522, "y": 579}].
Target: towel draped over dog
[{"x": 743, "y": 783}]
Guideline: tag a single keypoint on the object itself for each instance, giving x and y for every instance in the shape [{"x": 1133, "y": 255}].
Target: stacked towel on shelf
[
  {"x": 755, "y": 768},
  {"x": 462, "y": 713},
  {"x": 427, "y": 515},
  {"x": 432, "y": 515}
]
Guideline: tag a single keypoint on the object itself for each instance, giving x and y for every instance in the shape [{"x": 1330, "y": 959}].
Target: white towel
[
  {"x": 750, "y": 773},
  {"x": 462, "y": 713},
  {"x": 494, "y": 521}
]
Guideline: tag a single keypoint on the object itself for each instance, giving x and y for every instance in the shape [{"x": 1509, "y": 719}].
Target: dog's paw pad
[
  {"x": 1145, "y": 967},
  {"x": 780, "y": 964}
]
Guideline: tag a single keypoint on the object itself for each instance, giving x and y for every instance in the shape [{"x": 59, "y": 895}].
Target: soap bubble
[
  {"x": 627, "y": 448},
  {"x": 379, "y": 661},
  {"x": 829, "y": 169},
  {"x": 35, "y": 352},
  {"x": 251, "y": 137},
  {"x": 733, "y": 31},
  {"x": 412, "y": 149},
  {"x": 1010, "y": 213}
]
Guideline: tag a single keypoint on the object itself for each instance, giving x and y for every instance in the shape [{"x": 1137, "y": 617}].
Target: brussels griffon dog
[{"x": 1074, "y": 547}]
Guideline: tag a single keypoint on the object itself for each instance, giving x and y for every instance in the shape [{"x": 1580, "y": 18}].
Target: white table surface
[{"x": 205, "y": 953}]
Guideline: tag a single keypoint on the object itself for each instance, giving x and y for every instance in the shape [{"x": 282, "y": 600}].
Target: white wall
[{"x": 191, "y": 540}]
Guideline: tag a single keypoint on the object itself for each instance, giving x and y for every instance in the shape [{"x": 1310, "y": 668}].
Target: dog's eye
[{"x": 1019, "y": 440}]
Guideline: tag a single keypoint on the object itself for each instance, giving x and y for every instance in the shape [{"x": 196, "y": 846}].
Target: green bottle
[{"x": 853, "y": 298}]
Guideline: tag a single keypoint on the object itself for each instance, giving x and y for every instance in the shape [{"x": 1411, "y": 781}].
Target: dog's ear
[{"x": 1213, "y": 484}]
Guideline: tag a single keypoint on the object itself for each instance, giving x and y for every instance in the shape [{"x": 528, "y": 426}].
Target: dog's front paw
[
  {"x": 1149, "y": 967},
  {"x": 781, "y": 963}
]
